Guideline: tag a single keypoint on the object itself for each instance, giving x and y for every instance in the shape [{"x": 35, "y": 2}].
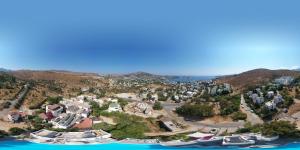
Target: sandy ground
[
  {"x": 7, "y": 125},
  {"x": 107, "y": 120},
  {"x": 132, "y": 96}
]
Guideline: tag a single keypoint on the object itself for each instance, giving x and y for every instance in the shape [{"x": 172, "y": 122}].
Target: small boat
[
  {"x": 179, "y": 143},
  {"x": 206, "y": 139},
  {"x": 197, "y": 139},
  {"x": 209, "y": 141},
  {"x": 237, "y": 141}
]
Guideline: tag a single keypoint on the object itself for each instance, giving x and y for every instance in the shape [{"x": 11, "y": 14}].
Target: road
[
  {"x": 251, "y": 116},
  {"x": 198, "y": 125},
  {"x": 4, "y": 112},
  {"x": 169, "y": 108}
]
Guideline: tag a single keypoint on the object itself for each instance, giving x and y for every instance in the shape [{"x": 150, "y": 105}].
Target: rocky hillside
[{"x": 255, "y": 77}]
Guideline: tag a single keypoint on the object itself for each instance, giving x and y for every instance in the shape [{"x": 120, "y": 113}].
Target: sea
[
  {"x": 24, "y": 145},
  {"x": 183, "y": 79}
]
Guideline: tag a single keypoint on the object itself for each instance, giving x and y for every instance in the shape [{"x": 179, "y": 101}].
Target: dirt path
[{"x": 251, "y": 117}]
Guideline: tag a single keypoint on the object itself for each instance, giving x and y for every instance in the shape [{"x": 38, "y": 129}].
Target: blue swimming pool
[{"x": 23, "y": 145}]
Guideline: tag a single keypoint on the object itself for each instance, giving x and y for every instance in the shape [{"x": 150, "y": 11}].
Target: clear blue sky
[{"x": 187, "y": 37}]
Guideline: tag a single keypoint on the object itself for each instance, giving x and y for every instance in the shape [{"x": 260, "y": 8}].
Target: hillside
[
  {"x": 54, "y": 83},
  {"x": 255, "y": 77}
]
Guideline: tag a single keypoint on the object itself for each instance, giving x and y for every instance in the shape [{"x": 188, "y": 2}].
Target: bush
[
  {"x": 54, "y": 100},
  {"x": 16, "y": 131},
  {"x": 196, "y": 110},
  {"x": 3, "y": 134},
  {"x": 281, "y": 128},
  {"x": 157, "y": 106},
  {"x": 161, "y": 96},
  {"x": 103, "y": 126},
  {"x": 239, "y": 116},
  {"x": 229, "y": 104},
  {"x": 96, "y": 109},
  {"x": 122, "y": 102},
  {"x": 6, "y": 104},
  {"x": 128, "y": 126},
  {"x": 37, "y": 105}
]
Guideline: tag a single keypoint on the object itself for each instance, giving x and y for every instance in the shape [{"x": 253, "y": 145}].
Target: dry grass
[{"x": 255, "y": 77}]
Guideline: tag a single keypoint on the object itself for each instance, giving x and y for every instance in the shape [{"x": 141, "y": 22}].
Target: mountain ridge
[{"x": 255, "y": 77}]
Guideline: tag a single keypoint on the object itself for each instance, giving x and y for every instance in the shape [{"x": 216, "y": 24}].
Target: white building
[
  {"x": 278, "y": 99},
  {"x": 55, "y": 109},
  {"x": 114, "y": 107},
  {"x": 13, "y": 117},
  {"x": 270, "y": 105},
  {"x": 257, "y": 99},
  {"x": 270, "y": 94}
]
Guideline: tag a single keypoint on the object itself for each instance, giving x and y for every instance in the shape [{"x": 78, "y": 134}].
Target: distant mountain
[
  {"x": 255, "y": 77},
  {"x": 297, "y": 69},
  {"x": 4, "y": 70}
]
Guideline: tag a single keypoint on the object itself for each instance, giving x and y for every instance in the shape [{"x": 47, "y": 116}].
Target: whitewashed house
[
  {"x": 114, "y": 107},
  {"x": 270, "y": 94},
  {"x": 270, "y": 105},
  {"x": 278, "y": 99}
]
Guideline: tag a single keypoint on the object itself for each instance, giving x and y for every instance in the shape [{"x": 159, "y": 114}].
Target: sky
[{"x": 171, "y": 37}]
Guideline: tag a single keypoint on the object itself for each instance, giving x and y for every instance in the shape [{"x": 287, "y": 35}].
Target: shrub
[
  {"x": 128, "y": 126},
  {"x": 239, "y": 116},
  {"x": 196, "y": 110},
  {"x": 157, "y": 106},
  {"x": 229, "y": 104},
  {"x": 161, "y": 96},
  {"x": 54, "y": 100},
  {"x": 16, "y": 131},
  {"x": 3, "y": 134},
  {"x": 103, "y": 126}
]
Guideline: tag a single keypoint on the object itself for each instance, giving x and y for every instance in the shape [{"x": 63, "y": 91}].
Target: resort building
[
  {"x": 65, "y": 121},
  {"x": 55, "y": 109}
]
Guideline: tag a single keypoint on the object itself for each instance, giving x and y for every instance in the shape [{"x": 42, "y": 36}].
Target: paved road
[
  {"x": 169, "y": 107},
  {"x": 251, "y": 116},
  {"x": 197, "y": 125}
]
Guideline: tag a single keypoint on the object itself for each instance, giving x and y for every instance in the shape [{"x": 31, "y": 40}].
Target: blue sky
[{"x": 207, "y": 37}]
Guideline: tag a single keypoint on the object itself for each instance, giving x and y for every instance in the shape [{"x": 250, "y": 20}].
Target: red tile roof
[{"x": 87, "y": 123}]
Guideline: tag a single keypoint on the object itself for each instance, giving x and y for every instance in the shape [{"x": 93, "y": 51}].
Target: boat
[
  {"x": 206, "y": 139},
  {"x": 237, "y": 141},
  {"x": 198, "y": 139},
  {"x": 179, "y": 143},
  {"x": 215, "y": 140}
]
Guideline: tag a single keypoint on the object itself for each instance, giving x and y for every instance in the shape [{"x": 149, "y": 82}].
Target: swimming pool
[{"x": 24, "y": 145}]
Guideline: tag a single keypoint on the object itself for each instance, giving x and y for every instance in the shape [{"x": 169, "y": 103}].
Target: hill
[
  {"x": 54, "y": 83},
  {"x": 255, "y": 77}
]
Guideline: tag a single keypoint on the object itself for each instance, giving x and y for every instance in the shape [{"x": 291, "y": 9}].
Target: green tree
[
  {"x": 157, "y": 106},
  {"x": 54, "y": 100},
  {"x": 16, "y": 131},
  {"x": 161, "y": 96},
  {"x": 239, "y": 116},
  {"x": 195, "y": 110}
]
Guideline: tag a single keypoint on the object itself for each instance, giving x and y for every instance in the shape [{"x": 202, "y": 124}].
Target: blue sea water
[{"x": 23, "y": 145}]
